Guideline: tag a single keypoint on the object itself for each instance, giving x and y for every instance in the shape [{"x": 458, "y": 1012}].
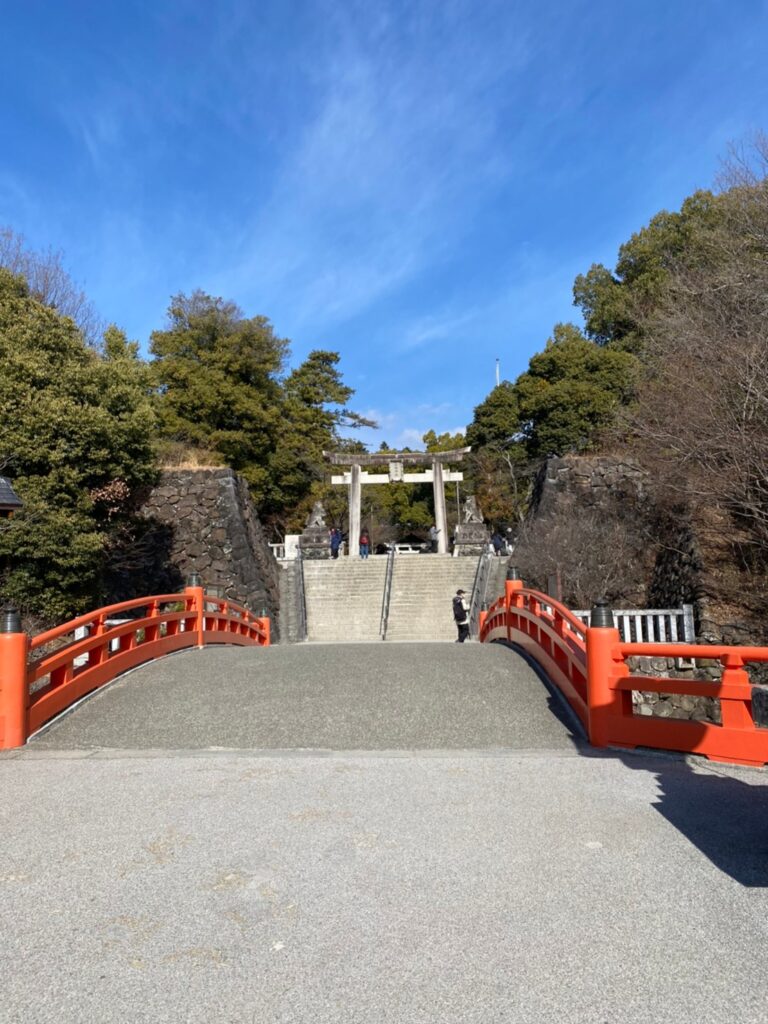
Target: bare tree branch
[{"x": 50, "y": 283}]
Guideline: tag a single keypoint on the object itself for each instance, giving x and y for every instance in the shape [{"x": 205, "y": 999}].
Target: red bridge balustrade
[
  {"x": 43, "y": 677},
  {"x": 589, "y": 666}
]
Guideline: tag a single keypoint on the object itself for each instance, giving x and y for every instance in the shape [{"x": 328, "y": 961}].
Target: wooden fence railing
[
  {"x": 651, "y": 625},
  {"x": 589, "y": 666},
  {"x": 43, "y": 677}
]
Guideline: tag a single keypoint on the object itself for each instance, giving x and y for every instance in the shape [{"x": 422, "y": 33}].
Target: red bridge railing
[
  {"x": 43, "y": 677},
  {"x": 589, "y": 666}
]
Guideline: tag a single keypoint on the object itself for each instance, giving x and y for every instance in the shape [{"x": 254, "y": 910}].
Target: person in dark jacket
[
  {"x": 461, "y": 616},
  {"x": 335, "y": 542}
]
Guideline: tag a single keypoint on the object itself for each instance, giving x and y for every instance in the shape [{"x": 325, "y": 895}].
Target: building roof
[{"x": 9, "y": 499}]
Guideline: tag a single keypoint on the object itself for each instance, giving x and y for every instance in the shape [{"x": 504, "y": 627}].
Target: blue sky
[{"x": 412, "y": 184}]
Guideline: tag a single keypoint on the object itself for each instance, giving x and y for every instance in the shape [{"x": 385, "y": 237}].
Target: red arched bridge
[
  {"x": 373, "y": 832},
  {"x": 588, "y": 666}
]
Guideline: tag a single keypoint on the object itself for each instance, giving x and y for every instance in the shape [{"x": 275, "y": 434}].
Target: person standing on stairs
[
  {"x": 335, "y": 542},
  {"x": 433, "y": 532},
  {"x": 461, "y": 615},
  {"x": 365, "y": 544}
]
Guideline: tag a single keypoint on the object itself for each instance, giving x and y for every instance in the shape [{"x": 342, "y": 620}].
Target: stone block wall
[
  {"x": 589, "y": 481},
  {"x": 675, "y": 705},
  {"x": 203, "y": 520},
  {"x": 585, "y": 525},
  {"x": 606, "y": 485},
  {"x": 602, "y": 485}
]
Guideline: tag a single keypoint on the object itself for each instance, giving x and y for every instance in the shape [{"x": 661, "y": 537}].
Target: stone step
[{"x": 344, "y": 597}]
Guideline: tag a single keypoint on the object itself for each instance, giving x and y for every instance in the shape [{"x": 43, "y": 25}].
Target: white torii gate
[{"x": 395, "y": 464}]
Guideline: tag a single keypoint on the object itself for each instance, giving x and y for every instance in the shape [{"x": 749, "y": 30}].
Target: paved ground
[
  {"x": 334, "y": 697},
  {"x": 478, "y": 885}
]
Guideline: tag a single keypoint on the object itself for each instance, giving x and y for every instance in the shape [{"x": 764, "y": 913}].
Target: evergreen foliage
[
  {"x": 76, "y": 438},
  {"x": 444, "y": 442},
  {"x": 220, "y": 386},
  {"x": 569, "y": 392},
  {"x": 497, "y": 419},
  {"x": 616, "y": 305},
  {"x": 312, "y": 411},
  {"x": 217, "y": 375}
]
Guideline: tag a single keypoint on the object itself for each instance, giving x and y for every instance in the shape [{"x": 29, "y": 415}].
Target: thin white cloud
[
  {"x": 369, "y": 195},
  {"x": 434, "y": 327},
  {"x": 411, "y": 437}
]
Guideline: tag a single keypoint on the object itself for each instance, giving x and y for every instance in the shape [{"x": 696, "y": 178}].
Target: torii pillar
[
  {"x": 355, "y": 496},
  {"x": 441, "y": 520}
]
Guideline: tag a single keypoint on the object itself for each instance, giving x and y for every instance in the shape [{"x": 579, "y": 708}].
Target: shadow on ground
[{"x": 725, "y": 817}]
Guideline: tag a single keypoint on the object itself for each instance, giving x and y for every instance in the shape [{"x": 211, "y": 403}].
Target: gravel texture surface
[
  {"x": 251, "y": 889},
  {"x": 444, "y": 877},
  {"x": 330, "y": 697}
]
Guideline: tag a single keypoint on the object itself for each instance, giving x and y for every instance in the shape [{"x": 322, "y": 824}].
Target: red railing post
[
  {"x": 97, "y": 654},
  {"x": 734, "y": 714},
  {"x": 264, "y": 620},
  {"x": 14, "y": 690},
  {"x": 512, "y": 587},
  {"x": 603, "y": 700},
  {"x": 152, "y": 632},
  {"x": 194, "y": 589}
]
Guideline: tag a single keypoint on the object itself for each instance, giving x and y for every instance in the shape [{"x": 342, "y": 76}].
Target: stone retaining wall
[
  {"x": 203, "y": 520},
  {"x": 588, "y": 481},
  {"x": 675, "y": 705}
]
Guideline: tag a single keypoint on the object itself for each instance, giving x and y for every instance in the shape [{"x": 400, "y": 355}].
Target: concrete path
[{"x": 429, "y": 886}]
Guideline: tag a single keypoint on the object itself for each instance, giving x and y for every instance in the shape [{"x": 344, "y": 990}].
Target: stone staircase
[
  {"x": 423, "y": 587},
  {"x": 290, "y": 597},
  {"x": 344, "y": 598}
]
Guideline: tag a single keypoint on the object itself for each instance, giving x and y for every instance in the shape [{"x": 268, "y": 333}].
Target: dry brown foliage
[
  {"x": 181, "y": 455},
  {"x": 701, "y": 421},
  {"x": 597, "y": 551}
]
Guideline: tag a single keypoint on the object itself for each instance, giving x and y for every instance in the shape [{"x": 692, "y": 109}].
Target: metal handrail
[
  {"x": 479, "y": 591},
  {"x": 390, "y": 572},
  {"x": 302, "y": 631}
]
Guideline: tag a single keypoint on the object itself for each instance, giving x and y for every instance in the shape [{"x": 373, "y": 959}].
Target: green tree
[
  {"x": 220, "y": 387},
  {"x": 217, "y": 374},
  {"x": 497, "y": 419},
  {"x": 312, "y": 412},
  {"x": 616, "y": 305},
  {"x": 570, "y": 391},
  {"x": 444, "y": 442},
  {"x": 498, "y": 471},
  {"x": 76, "y": 438}
]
